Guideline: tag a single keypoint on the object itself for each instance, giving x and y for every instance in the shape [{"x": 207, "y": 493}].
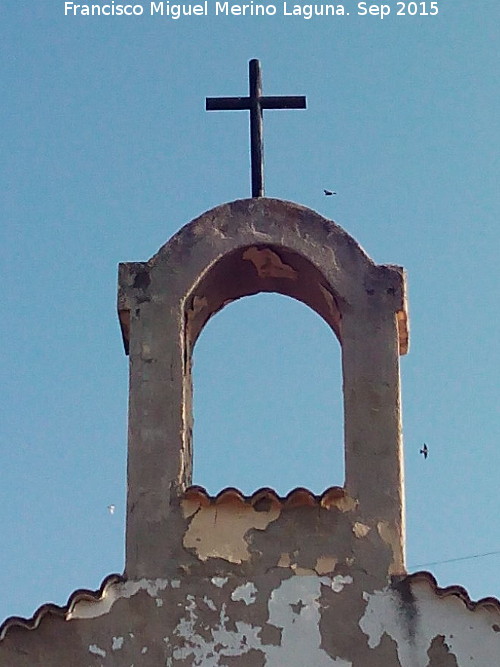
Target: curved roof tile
[
  {"x": 81, "y": 594},
  {"x": 297, "y": 497},
  {"x": 458, "y": 591}
]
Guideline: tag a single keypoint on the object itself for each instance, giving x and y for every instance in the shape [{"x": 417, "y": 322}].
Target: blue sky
[{"x": 106, "y": 151}]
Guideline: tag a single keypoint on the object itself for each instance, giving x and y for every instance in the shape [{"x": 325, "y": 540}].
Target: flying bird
[
  {"x": 111, "y": 509},
  {"x": 425, "y": 451},
  {"x": 328, "y": 193}
]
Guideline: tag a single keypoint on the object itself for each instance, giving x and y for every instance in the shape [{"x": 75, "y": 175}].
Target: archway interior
[
  {"x": 268, "y": 408},
  {"x": 255, "y": 269}
]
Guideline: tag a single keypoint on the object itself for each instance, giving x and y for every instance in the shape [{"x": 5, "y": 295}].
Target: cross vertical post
[
  {"x": 256, "y": 128},
  {"x": 255, "y": 103}
]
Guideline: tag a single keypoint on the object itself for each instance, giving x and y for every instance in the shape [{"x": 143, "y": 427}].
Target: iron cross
[{"x": 255, "y": 103}]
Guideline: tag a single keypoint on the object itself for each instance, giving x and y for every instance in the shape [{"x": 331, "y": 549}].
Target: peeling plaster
[
  {"x": 464, "y": 632},
  {"x": 284, "y": 561},
  {"x": 269, "y": 264},
  {"x": 360, "y": 529},
  {"x": 117, "y": 643},
  {"x": 152, "y": 586},
  {"x": 246, "y": 592},
  {"x": 294, "y": 607},
  {"x": 391, "y": 536},
  {"x": 219, "y": 581},
  {"x": 325, "y": 564},
  {"x": 218, "y": 531},
  {"x": 337, "y": 583},
  {"x": 95, "y": 650},
  {"x": 210, "y": 603},
  {"x": 343, "y": 503},
  {"x": 301, "y": 637},
  {"x": 205, "y": 653},
  {"x": 424, "y": 628}
]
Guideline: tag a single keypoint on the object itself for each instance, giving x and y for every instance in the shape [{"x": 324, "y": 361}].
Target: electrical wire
[{"x": 455, "y": 560}]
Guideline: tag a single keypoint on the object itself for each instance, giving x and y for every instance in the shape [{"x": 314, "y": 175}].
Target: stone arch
[
  {"x": 234, "y": 250},
  {"x": 256, "y": 268}
]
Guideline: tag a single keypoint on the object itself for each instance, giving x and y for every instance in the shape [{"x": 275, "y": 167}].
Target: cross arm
[
  {"x": 286, "y": 102},
  {"x": 227, "y": 103},
  {"x": 266, "y": 102}
]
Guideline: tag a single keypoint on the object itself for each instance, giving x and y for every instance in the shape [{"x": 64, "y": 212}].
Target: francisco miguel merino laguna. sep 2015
[{"x": 252, "y": 8}]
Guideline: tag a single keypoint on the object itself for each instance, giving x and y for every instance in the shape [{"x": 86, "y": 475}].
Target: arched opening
[{"x": 268, "y": 408}]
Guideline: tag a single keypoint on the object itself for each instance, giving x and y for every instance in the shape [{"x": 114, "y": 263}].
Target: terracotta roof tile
[
  {"x": 458, "y": 591},
  {"x": 296, "y": 497},
  {"x": 82, "y": 594}
]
